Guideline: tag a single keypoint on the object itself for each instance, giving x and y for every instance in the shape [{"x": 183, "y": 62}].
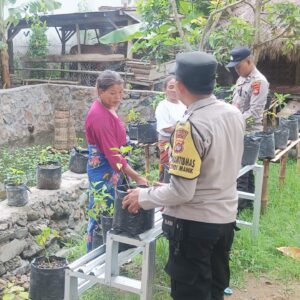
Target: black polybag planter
[
  {"x": 292, "y": 124},
  {"x": 17, "y": 195},
  {"x": 267, "y": 145},
  {"x": 47, "y": 284},
  {"x": 133, "y": 131},
  {"x": 281, "y": 136},
  {"x": 167, "y": 175},
  {"x": 147, "y": 132},
  {"x": 97, "y": 238},
  {"x": 297, "y": 116},
  {"x": 106, "y": 222},
  {"x": 251, "y": 149},
  {"x": 127, "y": 223},
  {"x": 49, "y": 176},
  {"x": 78, "y": 160}
]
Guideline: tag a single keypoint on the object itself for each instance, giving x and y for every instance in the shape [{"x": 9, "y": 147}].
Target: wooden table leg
[
  {"x": 298, "y": 157},
  {"x": 147, "y": 158},
  {"x": 264, "y": 198},
  {"x": 283, "y": 162}
]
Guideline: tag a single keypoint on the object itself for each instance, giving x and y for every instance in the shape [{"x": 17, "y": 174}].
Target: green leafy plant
[
  {"x": 14, "y": 292},
  {"x": 47, "y": 155},
  {"x": 156, "y": 100},
  {"x": 44, "y": 237},
  {"x": 134, "y": 116},
  {"x": 15, "y": 176},
  {"x": 100, "y": 206}
]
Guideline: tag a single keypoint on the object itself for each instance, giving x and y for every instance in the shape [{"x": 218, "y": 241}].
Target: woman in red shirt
[{"x": 104, "y": 130}]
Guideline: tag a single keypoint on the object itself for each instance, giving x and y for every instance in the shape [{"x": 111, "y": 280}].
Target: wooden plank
[
  {"x": 50, "y": 81},
  {"x": 282, "y": 152},
  {"x": 264, "y": 197},
  {"x": 140, "y": 71},
  {"x": 94, "y": 57}
]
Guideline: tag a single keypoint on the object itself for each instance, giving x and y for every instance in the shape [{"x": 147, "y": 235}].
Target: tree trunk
[
  {"x": 5, "y": 69},
  {"x": 257, "y": 26}
]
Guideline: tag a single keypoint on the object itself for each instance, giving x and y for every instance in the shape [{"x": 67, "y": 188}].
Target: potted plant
[
  {"x": 47, "y": 276},
  {"x": 48, "y": 170},
  {"x": 123, "y": 221},
  {"x": 133, "y": 119},
  {"x": 101, "y": 212},
  {"x": 16, "y": 188},
  {"x": 79, "y": 157}
]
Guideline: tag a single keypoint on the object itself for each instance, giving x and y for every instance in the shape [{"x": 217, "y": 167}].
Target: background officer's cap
[
  {"x": 197, "y": 71},
  {"x": 237, "y": 55}
]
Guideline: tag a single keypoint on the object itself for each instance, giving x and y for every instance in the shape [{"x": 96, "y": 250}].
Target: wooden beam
[
  {"x": 264, "y": 197},
  {"x": 283, "y": 169},
  {"x": 291, "y": 144},
  {"x": 92, "y": 57},
  {"x": 78, "y": 48},
  {"x": 59, "y": 35}
]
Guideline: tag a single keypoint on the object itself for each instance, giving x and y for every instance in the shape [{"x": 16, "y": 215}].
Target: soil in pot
[
  {"x": 147, "y": 133},
  {"x": 78, "y": 160},
  {"x": 127, "y": 223},
  {"x": 292, "y": 124},
  {"x": 47, "y": 280},
  {"x": 17, "y": 195},
  {"x": 281, "y": 136},
  {"x": 267, "y": 145},
  {"x": 49, "y": 176},
  {"x": 251, "y": 149},
  {"x": 133, "y": 131}
]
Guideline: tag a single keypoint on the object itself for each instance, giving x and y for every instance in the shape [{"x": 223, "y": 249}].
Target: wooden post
[
  {"x": 283, "y": 162},
  {"x": 78, "y": 49},
  {"x": 264, "y": 198},
  {"x": 274, "y": 116},
  {"x": 63, "y": 51},
  {"x": 147, "y": 158}
]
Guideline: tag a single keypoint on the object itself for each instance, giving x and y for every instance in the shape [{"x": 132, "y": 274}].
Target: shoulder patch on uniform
[
  {"x": 255, "y": 86},
  {"x": 185, "y": 160}
]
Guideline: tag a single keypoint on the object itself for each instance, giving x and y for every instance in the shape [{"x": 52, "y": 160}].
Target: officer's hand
[{"x": 131, "y": 201}]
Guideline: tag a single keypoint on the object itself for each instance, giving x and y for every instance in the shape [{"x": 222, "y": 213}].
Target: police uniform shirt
[
  {"x": 250, "y": 96},
  {"x": 217, "y": 132}
]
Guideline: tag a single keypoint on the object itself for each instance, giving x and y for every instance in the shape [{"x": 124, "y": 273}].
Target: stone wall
[
  {"x": 35, "y": 105},
  {"x": 59, "y": 209}
]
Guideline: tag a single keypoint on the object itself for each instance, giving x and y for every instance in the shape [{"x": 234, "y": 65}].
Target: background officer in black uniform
[{"x": 200, "y": 202}]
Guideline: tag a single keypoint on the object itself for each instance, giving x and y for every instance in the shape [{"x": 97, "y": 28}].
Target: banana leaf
[{"x": 124, "y": 34}]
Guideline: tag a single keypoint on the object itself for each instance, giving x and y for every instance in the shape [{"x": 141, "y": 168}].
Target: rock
[
  {"x": 11, "y": 250},
  {"x": 13, "y": 264},
  {"x": 23, "y": 269},
  {"x": 83, "y": 200},
  {"x": 33, "y": 215},
  {"x": 35, "y": 228},
  {"x": 6, "y": 236},
  {"x": 64, "y": 252},
  {"x": 2, "y": 269},
  {"x": 135, "y": 95},
  {"x": 21, "y": 233},
  {"x": 32, "y": 249},
  {"x": 3, "y": 226},
  {"x": 71, "y": 222},
  {"x": 22, "y": 221}
]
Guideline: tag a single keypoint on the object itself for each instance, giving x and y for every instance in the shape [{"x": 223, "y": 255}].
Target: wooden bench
[{"x": 102, "y": 265}]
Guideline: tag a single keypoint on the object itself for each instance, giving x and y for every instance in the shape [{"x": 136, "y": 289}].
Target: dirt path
[{"x": 265, "y": 289}]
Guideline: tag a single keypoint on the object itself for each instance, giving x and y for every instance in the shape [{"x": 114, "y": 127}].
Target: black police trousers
[
  {"x": 198, "y": 264},
  {"x": 245, "y": 183}
]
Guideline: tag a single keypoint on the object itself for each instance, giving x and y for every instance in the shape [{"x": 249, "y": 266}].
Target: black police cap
[
  {"x": 197, "y": 71},
  {"x": 237, "y": 55}
]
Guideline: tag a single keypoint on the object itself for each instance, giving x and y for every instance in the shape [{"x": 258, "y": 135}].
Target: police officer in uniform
[
  {"x": 250, "y": 96},
  {"x": 200, "y": 202}
]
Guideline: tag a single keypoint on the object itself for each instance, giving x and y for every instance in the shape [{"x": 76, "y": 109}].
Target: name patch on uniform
[
  {"x": 185, "y": 160},
  {"x": 255, "y": 86}
]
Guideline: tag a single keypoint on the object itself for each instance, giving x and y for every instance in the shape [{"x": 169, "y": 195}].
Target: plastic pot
[
  {"x": 49, "y": 176},
  {"x": 133, "y": 131},
  {"x": 292, "y": 124},
  {"x": 281, "y": 136},
  {"x": 127, "y": 223},
  {"x": 167, "y": 175},
  {"x": 17, "y": 195},
  {"x": 251, "y": 149},
  {"x": 147, "y": 132},
  {"x": 106, "y": 222},
  {"x": 78, "y": 161},
  {"x": 297, "y": 116},
  {"x": 46, "y": 283},
  {"x": 267, "y": 145},
  {"x": 97, "y": 238}
]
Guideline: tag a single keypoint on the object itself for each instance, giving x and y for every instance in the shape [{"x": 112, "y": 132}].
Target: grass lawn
[{"x": 280, "y": 226}]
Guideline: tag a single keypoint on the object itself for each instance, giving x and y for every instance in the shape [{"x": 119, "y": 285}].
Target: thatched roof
[{"x": 274, "y": 49}]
